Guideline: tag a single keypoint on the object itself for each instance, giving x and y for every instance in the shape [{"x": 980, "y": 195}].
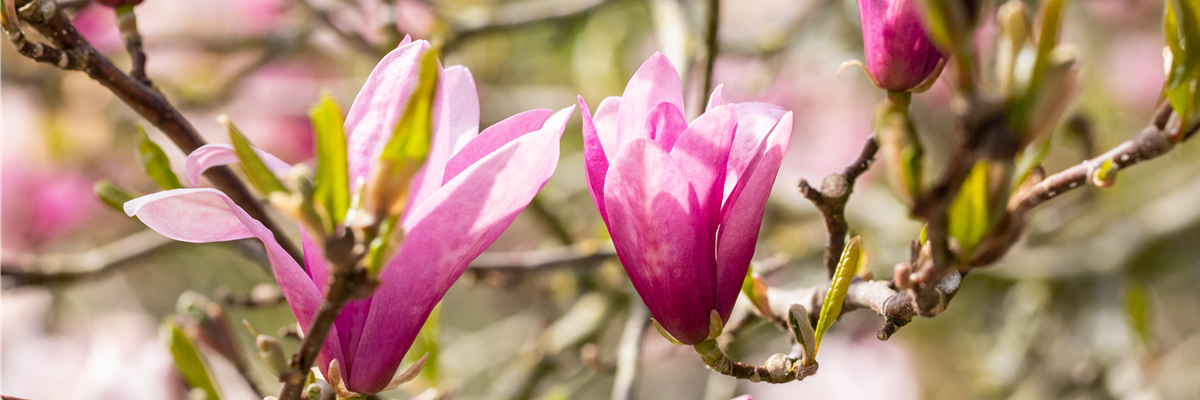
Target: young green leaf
[
  {"x": 255, "y": 169},
  {"x": 803, "y": 331},
  {"x": 112, "y": 195},
  {"x": 831, "y": 308},
  {"x": 1137, "y": 308},
  {"x": 333, "y": 179},
  {"x": 756, "y": 290},
  {"x": 188, "y": 359},
  {"x": 405, "y": 152},
  {"x": 1182, "y": 30},
  {"x": 157, "y": 165},
  {"x": 969, "y": 221}
]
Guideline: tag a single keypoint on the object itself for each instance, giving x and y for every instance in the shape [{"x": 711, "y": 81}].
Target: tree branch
[
  {"x": 77, "y": 54},
  {"x": 831, "y": 201},
  {"x": 30, "y": 269}
]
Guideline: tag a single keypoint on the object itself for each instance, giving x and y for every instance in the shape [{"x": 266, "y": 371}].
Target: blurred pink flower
[
  {"x": 471, "y": 188},
  {"x": 39, "y": 206},
  {"x": 99, "y": 26},
  {"x": 853, "y": 368},
  {"x": 1133, "y": 70},
  {"x": 116, "y": 356},
  {"x": 683, "y": 202}
]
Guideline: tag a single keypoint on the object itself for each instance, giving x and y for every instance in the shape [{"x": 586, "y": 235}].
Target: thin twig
[
  {"x": 712, "y": 44},
  {"x": 127, "y": 22},
  {"x": 586, "y": 253},
  {"x": 629, "y": 350},
  {"x": 500, "y": 18},
  {"x": 78, "y": 54},
  {"x": 30, "y": 269},
  {"x": 354, "y": 39},
  {"x": 831, "y": 201}
]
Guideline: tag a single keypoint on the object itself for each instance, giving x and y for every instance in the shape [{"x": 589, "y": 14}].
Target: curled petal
[
  {"x": 207, "y": 215},
  {"x": 755, "y": 122},
  {"x": 656, "y": 81},
  {"x": 658, "y": 238},
  {"x": 605, "y": 123},
  {"x": 443, "y": 234},
  {"x": 594, "y": 157},
  {"x": 743, "y": 213},
  {"x": 664, "y": 124},
  {"x": 494, "y": 137},
  {"x": 715, "y": 99},
  {"x": 212, "y": 155}
]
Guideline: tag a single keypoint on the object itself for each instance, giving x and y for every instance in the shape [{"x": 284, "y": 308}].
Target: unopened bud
[
  {"x": 313, "y": 392},
  {"x": 902, "y": 276},
  {"x": 271, "y": 352}
]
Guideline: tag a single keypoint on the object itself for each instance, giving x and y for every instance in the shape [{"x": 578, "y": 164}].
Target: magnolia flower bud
[
  {"x": 271, "y": 352},
  {"x": 900, "y": 55}
]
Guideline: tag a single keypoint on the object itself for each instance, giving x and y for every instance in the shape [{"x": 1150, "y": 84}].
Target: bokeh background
[{"x": 1100, "y": 301}]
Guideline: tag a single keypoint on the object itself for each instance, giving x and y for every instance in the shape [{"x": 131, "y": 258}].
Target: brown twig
[
  {"x": 67, "y": 268},
  {"x": 75, "y": 53},
  {"x": 512, "y": 16},
  {"x": 712, "y": 44},
  {"x": 586, "y": 253},
  {"x": 354, "y": 39},
  {"x": 127, "y": 22},
  {"x": 831, "y": 201}
]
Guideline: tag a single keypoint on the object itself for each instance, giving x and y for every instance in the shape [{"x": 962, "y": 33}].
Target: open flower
[
  {"x": 683, "y": 202},
  {"x": 900, "y": 55},
  {"x": 470, "y": 190}
]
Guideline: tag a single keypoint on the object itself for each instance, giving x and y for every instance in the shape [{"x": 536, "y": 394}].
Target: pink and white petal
[
  {"x": 664, "y": 124},
  {"x": 702, "y": 151},
  {"x": 655, "y": 232},
  {"x": 461, "y": 109},
  {"x": 212, "y": 155},
  {"x": 494, "y": 137},
  {"x": 443, "y": 235},
  {"x": 605, "y": 122},
  {"x": 654, "y": 82},
  {"x": 742, "y": 216},
  {"x": 207, "y": 215},
  {"x": 755, "y": 122},
  {"x": 380, "y": 104},
  {"x": 455, "y": 119},
  {"x": 594, "y": 158},
  {"x": 715, "y": 98}
]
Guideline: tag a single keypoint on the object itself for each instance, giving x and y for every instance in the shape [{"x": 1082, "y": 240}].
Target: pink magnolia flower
[
  {"x": 470, "y": 190},
  {"x": 683, "y": 202},
  {"x": 900, "y": 54}
]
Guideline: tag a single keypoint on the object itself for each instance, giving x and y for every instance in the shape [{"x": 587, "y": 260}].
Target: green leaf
[
  {"x": 1030, "y": 159},
  {"x": 756, "y": 290},
  {"x": 406, "y": 150},
  {"x": 260, "y": 176},
  {"x": 427, "y": 343},
  {"x": 969, "y": 221},
  {"x": 333, "y": 175},
  {"x": 188, "y": 359},
  {"x": 112, "y": 195},
  {"x": 803, "y": 331},
  {"x": 157, "y": 165},
  {"x": 1182, "y": 30},
  {"x": 1048, "y": 38},
  {"x": 1137, "y": 308},
  {"x": 842, "y": 276}
]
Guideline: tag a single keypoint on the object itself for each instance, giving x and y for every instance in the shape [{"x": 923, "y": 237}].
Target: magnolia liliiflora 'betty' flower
[
  {"x": 471, "y": 188},
  {"x": 900, "y": 55},
  {"x": 683, "y": 202}
]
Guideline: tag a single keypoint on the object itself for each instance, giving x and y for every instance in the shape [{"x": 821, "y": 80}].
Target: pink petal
[
  {"x": 455, "y": 122},
  {"x": 350, "y": 321},
  {"x": 207, "y": 215},
  {"x": 605, "y": 122},
  {"x": 715, "y": 99},
  {"x": 596, "y": 162},
  {"x": 702, "y": 151},
  {"x": 755, "y": 122},
  {"x": 664, "y": 124},
  {"x": 493, "y": 138},
  {"x": 655, "y": 82},
  {"x": 653, "y": 226},
  {"x": 380, "y": 104},
  {"x": 212, "y": 155},
  {"x": 743, "y": 213},
  {"x": 443, "y": 235}
]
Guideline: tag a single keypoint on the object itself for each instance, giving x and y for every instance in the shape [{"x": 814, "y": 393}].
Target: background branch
[{"x": 831, "y": 200}]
